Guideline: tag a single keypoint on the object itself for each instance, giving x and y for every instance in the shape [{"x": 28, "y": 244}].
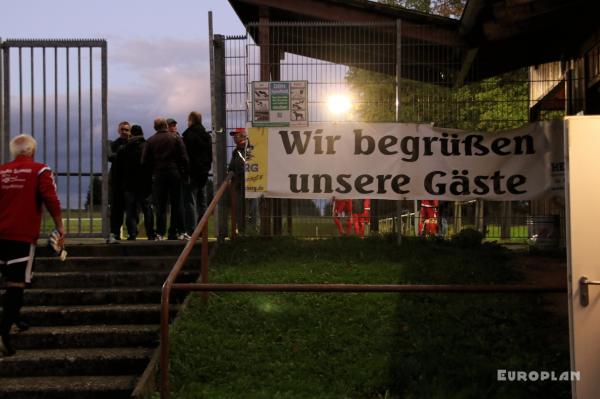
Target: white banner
[{"x": 405, "y": 161}]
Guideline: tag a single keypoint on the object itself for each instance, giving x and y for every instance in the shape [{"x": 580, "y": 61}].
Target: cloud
[
  {"x": 166, "y": 77},
  {"x": 144, "y": 54}
]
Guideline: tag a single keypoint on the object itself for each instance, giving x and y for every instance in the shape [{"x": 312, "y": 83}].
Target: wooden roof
[{"x": 491, "y": 37}]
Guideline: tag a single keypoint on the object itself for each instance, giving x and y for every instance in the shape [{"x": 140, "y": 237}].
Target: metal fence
[
  {"x": 56, "y": 90},
  {"x": 391, "y": 76}
]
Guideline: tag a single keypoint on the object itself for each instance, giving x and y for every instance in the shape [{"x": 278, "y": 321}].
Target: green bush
[{"x": 468, "y": 238}]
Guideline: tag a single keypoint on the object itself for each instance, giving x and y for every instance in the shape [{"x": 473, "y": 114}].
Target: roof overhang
[{"x": 492, "y": 36}]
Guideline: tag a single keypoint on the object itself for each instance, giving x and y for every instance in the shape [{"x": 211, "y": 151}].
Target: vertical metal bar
[
  {"x": 56, "y": 108},
  {"x": 104, "y": 111},
  {"x": 91, "y": 154},
  {"x": 68, "y": 171},
  {"x": 20, "y": 91},
  {"x": 44, "y": 107},
  {"x": 3, "y": 132},
  {"x": 219, "y": 125},
  {"x": 164, "y": 342},
  {"x": 233, "y": 210},
  {"x": 398, "y": 92},
  {"x": 32, "y": 93},
  {"x": 44, "y": 116},
  {"x": 79, "y": 149}
]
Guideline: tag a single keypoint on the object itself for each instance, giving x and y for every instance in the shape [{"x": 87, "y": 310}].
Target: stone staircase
[{"x": 94, "y": 320}]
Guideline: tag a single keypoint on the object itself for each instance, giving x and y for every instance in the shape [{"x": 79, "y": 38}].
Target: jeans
[
  {"x": 166, "y": 188},
  {"x": 137, "y": 202},
  {"x": 194, "y": 202}
]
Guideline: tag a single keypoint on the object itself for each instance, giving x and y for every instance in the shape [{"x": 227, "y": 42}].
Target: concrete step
[
  {"x": 86, "y": 361},
  {"x": 106, "y": 279},
  {"x": 123, "y": 248},
  {"x": 96, "y": 296},
  {"x": 72, "y": 387},
  {"x": 88, "y": 336},
  {"x": 93, "y": 314},
  {"x": 112, "y": 263}
]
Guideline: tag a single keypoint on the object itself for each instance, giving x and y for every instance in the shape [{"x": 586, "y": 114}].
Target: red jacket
[{"x": 24, "y": 186}]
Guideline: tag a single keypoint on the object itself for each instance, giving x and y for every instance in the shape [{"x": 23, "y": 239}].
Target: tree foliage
[
  {"x": 497, "y": 103},
  {"x": 445, "y": 8}
]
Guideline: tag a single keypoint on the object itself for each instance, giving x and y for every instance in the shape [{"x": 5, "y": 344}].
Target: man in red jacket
[{"x": 24, "y": 186}]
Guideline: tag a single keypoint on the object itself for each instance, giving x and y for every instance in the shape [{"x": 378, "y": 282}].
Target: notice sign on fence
[
  {"x": 406, "y": 161},
  {"x": 280, "y": 103}
]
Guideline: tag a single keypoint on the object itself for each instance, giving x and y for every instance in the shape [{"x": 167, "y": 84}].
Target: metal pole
[
  {"x": 164, "y": 343},
  {"x": 104, "y": 141},
  {"x": 79, "y": 139},
  {"x": 91, "y": 155},
  {"x": 219, "y": 125},
  {"x": 44, "y": 107},
  {"x": 32, "y": 94},
  {"x": 68, "y": 171},
  {"x": 56, "y": 109},
  {"x": 233, "y": 209},
  {"x": 398, "y": 77},
  {"x": 6, "y": 96},
  {"x": 2, "y": 131},
  {"x": 20, "y": 90},
  {"x": 356, "y": 288}
]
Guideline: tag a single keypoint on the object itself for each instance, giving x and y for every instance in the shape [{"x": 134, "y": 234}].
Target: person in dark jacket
[
  {"x": 116, "y": 181},
  {"x": 237, "y": 165},
  {"x": 138, "y": 186},
  {"x": 198, "y": 144},
  {"x": 165, "y": 155}
]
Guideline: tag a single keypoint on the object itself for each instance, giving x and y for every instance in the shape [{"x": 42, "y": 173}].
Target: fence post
[
  {"x": 104, "y": 78},
  {"x": 219, "y": 123},
  {"x": 233, "y": 209},
  {"x": 398, "y": 77}
]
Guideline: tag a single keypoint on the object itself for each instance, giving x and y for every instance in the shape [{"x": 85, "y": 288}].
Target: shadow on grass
[{"x": 368, "y": 346}]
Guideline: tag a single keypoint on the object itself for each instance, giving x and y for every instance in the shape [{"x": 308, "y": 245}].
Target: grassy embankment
[{"x": 290, "y": 345}]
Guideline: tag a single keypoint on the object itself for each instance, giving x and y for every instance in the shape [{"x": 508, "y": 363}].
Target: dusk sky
[{"x": 158, "y": 59}]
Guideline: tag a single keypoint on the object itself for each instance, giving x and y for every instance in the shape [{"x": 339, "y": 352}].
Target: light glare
[{"x": 339, "y": 104}]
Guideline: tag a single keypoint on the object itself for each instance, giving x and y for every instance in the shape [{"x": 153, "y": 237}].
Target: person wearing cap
[
  {"x": 198, "y": 144},
  {"x": 237, "y": 165},
  {"x": 172, "y": 126},
  {"x": 165, "y": 155},
  {"x": 25, "y": 185}
]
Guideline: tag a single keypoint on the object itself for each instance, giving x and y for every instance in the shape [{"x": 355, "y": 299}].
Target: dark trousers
[
  {"x": 117, "y": 210},
  {"x": 137, "y": 202},
  {"x": 194, "y": 202},
  {"x": 166, "y": 188}
]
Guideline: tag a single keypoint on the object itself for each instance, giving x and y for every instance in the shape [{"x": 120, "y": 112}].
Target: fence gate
[{"x": 56, "y": 90}]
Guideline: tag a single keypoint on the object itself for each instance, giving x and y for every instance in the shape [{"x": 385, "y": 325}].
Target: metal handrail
[
  {"x": 206, "y": 287},
  {"x": 356, "y": 288},
  {"x": 201, "y": 229}
]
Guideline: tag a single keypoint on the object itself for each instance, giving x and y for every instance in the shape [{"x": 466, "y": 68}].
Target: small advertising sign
[{"x": 280, "y": 103}]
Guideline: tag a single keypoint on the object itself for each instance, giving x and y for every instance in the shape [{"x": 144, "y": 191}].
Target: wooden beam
[{"x": 465, "y": 67}]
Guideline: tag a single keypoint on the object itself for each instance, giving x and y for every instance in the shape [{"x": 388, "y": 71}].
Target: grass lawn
[{"x": 409, "y": 346}]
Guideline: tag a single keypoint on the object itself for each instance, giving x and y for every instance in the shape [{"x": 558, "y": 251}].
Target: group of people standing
[
  {"x": 147, "y": 176},
  {"x": 351, "y": 215}
]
